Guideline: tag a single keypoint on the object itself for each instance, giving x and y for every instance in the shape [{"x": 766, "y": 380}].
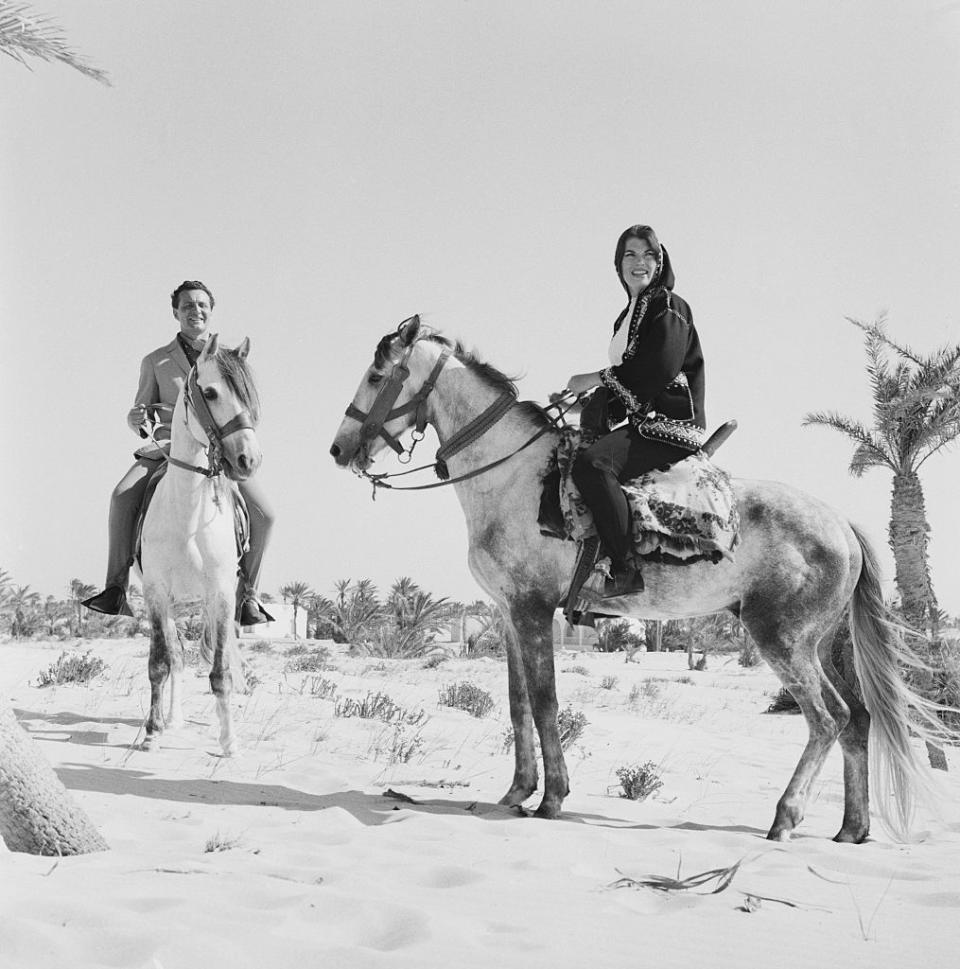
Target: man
[{"x": 162, "y": 376}]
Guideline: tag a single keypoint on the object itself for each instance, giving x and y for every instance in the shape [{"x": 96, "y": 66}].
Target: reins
[
  {"x": 193, "y": 393},
  {"x": 467, "y": 435}
]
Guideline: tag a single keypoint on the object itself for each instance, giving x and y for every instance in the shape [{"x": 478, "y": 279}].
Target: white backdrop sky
[{"x": 331, "y": 168}]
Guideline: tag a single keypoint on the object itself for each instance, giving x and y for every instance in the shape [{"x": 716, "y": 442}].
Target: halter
[{"x": 193, "y": 397}]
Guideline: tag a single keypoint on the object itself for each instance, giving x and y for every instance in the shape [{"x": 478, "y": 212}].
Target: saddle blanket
[{"x": 685, "y": 514}]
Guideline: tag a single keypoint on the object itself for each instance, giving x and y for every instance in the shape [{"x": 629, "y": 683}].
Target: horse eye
[
  {"x": 209, "y": 393},
  {"x": 375, "y": 378}
]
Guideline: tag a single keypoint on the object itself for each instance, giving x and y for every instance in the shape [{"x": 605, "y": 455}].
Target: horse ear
[
  {"x": 409, "y": 329},
  {"x": 211, "y": 346},
  {"x": 244, "y": 348}
]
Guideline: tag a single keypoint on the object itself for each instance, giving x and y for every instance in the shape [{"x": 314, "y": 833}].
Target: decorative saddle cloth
[
  {"x": 685, "y": 514},
  {"x": 241, "y": 516}
]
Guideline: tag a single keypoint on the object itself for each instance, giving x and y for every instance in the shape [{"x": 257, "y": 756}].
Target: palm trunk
[
  {"x": 37, "y": 815},
  {"x": 908, "y": 539},
  {"x": 909, "y": 531}
]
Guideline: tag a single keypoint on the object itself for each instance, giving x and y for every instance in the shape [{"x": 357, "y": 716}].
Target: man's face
[{"x": 193, "y": 313}]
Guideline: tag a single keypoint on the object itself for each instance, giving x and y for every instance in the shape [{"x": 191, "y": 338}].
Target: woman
[{"x": 655, "y": 381}]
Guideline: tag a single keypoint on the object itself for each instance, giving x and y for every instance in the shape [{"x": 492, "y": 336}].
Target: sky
[{"x": 331, "y": 169}]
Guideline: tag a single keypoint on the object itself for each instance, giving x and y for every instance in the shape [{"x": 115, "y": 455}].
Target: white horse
[{"x": 189, "y": 542}]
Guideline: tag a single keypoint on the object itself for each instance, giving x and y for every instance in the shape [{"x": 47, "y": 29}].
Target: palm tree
[
  {"x": 55, "y": 613},
  {"x": 354, "y": 614},
  {"x": 300, "y": 595},
  {"x": 21, "y": 603},
  {"x": 916, "y": 413},
  {"x": 23, "y": 34},
  {"x": 78, "y": 592}
]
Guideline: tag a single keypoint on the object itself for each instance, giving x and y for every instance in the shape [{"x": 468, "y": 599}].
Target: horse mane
[
  {"x": 234, "y": 370},
  {"x": 489, "y": 374}
]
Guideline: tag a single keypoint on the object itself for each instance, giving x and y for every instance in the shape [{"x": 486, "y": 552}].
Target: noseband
[
  {"x": 193, "y": 398},
  {"x": 382, "y": 410}
]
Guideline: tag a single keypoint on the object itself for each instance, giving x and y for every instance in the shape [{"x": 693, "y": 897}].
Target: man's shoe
[
  {"x": 252, "y": 612},
  {"x": 111, "y": 602},
  {"x": 623, "y": 582}
]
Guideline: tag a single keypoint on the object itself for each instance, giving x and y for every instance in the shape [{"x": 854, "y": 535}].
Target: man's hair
[{"x": 187, "y": 285}]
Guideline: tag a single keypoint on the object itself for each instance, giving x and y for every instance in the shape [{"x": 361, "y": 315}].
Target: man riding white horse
[{"x": 162, "y": 376}]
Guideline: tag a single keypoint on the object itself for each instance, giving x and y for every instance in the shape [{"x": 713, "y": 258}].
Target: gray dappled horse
[
  {"x": 798, "y": 568},
  {"x": 189, "y": 539}
]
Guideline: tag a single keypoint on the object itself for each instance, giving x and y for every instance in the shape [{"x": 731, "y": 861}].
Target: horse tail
[{"x": 880, "y": 650}]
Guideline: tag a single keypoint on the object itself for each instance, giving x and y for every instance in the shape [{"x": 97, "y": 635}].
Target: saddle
[
  {"x": 241, "y": 517},
  {"x": 684, "y": 514}
]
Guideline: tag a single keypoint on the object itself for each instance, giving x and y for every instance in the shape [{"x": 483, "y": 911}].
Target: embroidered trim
[
  {"x": 633, "y": 404},
  {"x": 682, "y": 433}
]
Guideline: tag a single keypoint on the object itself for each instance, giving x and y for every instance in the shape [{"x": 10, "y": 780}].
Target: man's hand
[{"x": 137, "y": 418}]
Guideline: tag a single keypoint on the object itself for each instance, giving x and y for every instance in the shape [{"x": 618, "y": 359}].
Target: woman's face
[{"x": 638, "y": 266}]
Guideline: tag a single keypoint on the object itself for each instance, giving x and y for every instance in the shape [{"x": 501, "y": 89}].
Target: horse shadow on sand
[{"x": 367, "y": 808}]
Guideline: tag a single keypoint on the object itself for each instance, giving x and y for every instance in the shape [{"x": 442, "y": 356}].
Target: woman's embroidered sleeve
[{"x": 653, "y": 359}]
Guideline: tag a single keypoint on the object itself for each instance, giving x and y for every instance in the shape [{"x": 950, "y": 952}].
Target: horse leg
[
  {"x": 521, "y": 716},
  {"x": 175, "y": 709},
  {"x": 826, "y": 714},
  {"x": 220, "y": 627},
  {"x": 158, "y": 669},
  {"x": 854, "y": 742},
  {"x": 532, "y": 618}
]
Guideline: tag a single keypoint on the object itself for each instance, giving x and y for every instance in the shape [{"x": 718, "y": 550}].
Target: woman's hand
[{"x": 580, "y": 383}]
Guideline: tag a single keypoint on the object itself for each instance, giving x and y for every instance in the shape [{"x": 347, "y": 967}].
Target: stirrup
[{"x": 586, "y": 560}]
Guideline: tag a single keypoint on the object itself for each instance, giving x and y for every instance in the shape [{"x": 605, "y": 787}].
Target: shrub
[
  {"x": 616, "y": 635},
  {"x": 645, "y": 690},
  {"x": 608, "y": 683},
  {"x": 377, "y": 706},
  {"x": 312, "y": 661},
  {"x": 639, "y": 781},
  {"x": 322, "y": 688},
  {"x": 571, "y": 726},
  {"x": 72, "y": 668},
  {"x": 749, "y": 655},
  {"x": 467, "y": 697},
  {"x": 783, "y": 702},
  {"x": 437, "y": 659},
  {"x": 579, "y": 670},
  {"x": 400, "y": 746},
  {"x": 220, "y": 842}
]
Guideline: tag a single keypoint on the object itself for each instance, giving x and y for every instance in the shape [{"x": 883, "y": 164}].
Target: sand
[{"x": 291, "y": 854}]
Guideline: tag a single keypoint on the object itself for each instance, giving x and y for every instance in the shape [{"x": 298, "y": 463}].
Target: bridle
[
  {"x": 194, "y": 399},
  {"x": 383, "y": 411}
]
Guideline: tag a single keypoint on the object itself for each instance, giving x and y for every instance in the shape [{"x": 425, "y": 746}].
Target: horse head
[
  {"x": 224, "y": 407},
  {"x": 391, "y": 397}
]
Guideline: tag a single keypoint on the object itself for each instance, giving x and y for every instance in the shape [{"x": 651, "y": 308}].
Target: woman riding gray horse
[{"x": 655, "y": 382}]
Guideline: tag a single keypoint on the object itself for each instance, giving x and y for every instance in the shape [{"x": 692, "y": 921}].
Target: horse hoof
[
  {"x": 151, "y": 742},
  {"x": 779, "y": 834},
  {"x": 516, "y": 796},
  {"x": 851, "y": 837},
  {"x": 549, "y": 811}
]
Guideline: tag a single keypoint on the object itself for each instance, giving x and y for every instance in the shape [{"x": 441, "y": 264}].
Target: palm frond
[{"x": 23, "y": 35}]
